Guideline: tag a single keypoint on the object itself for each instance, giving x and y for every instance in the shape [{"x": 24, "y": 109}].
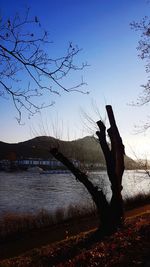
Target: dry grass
[
  {"x": 137, "y": 201},
  {"x": 16, "y": 224}
]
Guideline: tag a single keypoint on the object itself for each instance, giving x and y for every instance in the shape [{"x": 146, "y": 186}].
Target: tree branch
[{"x": 21, "y": 53}]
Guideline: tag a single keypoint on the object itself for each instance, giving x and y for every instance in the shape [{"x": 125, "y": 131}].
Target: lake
[{"x": 22, "y": 192}]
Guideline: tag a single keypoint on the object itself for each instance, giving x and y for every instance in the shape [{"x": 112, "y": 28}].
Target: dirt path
[
  {"x": 137, "y": 211},
  {"x": 54, "y": 234}
]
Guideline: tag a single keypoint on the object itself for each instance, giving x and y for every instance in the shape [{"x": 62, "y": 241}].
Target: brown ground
[{"x": 129, "y": 247}]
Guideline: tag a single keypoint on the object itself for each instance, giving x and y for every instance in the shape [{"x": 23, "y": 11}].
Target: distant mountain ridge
[{"x": 86, "y": 150}]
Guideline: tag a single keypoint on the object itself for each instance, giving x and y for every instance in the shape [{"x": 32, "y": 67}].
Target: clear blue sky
[{"x": 101, "y": 28}]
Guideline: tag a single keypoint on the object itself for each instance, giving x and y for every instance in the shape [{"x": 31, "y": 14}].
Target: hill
[{"x": 86, "y": 150}]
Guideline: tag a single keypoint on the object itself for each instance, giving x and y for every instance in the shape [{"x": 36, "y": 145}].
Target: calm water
[{"x": 30, "y": 192}]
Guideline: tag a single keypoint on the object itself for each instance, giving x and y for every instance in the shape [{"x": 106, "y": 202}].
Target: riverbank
[
  {"x": 14, "y": 226},
  {"x": 129, "y": 247},
  {"x": 54, "y": 234}
]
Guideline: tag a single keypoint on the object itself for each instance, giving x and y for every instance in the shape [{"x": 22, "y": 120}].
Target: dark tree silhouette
[
  {"x": 27, "y": 71},
  {"x": 110, "y": 214},
  {"x": 144, "y": 53}
]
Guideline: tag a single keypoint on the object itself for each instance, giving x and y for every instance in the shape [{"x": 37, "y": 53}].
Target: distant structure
[
  {"x": 52, "y": 164},
  {"x": 32, "y": 162}
]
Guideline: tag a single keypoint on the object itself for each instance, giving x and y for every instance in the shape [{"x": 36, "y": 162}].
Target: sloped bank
[{"x": 134, "y": 238}]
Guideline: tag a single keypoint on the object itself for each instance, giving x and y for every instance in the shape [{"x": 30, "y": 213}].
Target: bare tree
[
  {"x": 144, "y": 53},
  {"x": 27, "y": 71},
  {"x": 110, "y": 214}
]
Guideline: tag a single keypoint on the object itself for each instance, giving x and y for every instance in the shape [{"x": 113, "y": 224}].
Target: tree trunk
[{"x": 114, "y": 158}]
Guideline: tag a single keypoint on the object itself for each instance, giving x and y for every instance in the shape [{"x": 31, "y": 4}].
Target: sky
[{"x": 114, "y": 75}]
